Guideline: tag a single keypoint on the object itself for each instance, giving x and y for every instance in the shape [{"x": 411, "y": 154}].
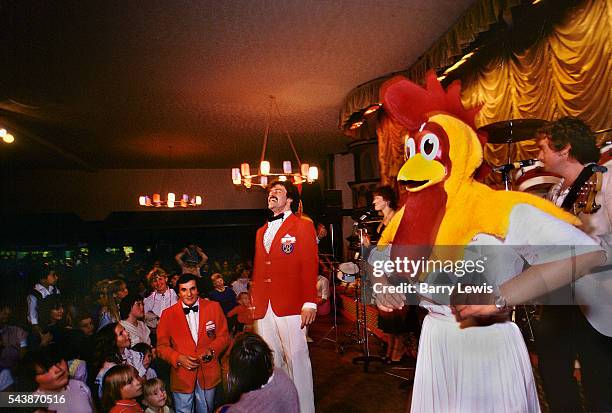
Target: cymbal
[{"x": 512, "y": 130}]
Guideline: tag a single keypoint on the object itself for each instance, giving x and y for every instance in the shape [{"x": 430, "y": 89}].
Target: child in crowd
[
  {"x": 122, "y": 386},
  {"x": 244, "y": 311},
  {"x": 45, "y": 370},
  {"x": 156, "y": 397},
  {"x": 148, "y": 355},
  {"x": 111, "y": 292}
]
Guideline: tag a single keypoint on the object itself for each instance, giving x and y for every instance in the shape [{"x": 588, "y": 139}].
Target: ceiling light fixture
[
  {"x": 6, "y": 137},
  {"x": 170, "y": 202},
  {"x": 305, "y": 173}
]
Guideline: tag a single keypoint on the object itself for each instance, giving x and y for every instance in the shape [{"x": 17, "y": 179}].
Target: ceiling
[{"x": 158, "y": 84}]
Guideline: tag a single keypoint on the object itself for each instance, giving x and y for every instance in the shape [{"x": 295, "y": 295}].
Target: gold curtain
[
  {"x": 568, "y": 73},
  {"x": 476, "y": 19}
]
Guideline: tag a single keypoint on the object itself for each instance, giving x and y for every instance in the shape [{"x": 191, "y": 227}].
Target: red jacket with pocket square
[{"x": 174, "y": 338}]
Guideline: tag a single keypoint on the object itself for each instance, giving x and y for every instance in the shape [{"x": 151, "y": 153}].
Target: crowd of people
[{"x": 106, "y": 344}]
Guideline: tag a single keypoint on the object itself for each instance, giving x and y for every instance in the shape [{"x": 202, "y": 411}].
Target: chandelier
[
  {"x": 265, "y": 175},
  {"x": 171, "y": 201}
]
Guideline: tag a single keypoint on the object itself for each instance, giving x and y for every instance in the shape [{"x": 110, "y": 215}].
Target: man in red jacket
[
  {"x": 284, "y": 288},
  {"x": 190, "y": 336}
]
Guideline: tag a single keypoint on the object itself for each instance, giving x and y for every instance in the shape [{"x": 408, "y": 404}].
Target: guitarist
[{"x": 567, "y": 148}]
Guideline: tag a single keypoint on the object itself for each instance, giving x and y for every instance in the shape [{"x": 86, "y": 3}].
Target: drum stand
[{"x": 361, "y": 305}]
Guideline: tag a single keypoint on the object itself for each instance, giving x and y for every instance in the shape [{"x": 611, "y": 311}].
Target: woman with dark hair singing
[{"x": 254, "y": 385}]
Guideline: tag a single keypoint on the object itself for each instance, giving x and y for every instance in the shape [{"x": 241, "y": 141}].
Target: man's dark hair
[
  {"x": 250, "y": 365},
  {"x": 574, "y": 132},
  {"x": 42, "y": 358},
  {"x": 127, "y": 303},
  {"x": 388, "y": 194},
  {"x": 292, "y": 192},
  {"x": 184, "y": 279}
]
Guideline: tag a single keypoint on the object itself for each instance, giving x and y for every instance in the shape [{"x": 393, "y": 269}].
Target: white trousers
[{"x": 290, "y": 349}]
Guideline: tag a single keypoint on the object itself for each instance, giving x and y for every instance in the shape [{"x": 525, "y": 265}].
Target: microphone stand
[
  {"x": 334, "y": 327},
  {"x": 360, "y": 295}
]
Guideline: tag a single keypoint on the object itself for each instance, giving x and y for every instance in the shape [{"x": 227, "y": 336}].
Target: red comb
[{"x": 411, "y": 104}]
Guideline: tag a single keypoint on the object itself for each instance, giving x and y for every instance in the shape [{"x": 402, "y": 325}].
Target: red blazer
[
  {"x": 287, "y": 276},
  {"x": 174, "y": 339}
]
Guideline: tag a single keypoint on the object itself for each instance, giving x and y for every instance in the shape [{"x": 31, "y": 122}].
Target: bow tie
[
  {"x": 193, "y": 308},
  {"x": 274, "y": 218}
]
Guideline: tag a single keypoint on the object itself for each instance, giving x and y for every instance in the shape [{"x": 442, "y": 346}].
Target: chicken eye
[
  {"x": 430, "y": 144},
  {"x": 409, "y": 147}
]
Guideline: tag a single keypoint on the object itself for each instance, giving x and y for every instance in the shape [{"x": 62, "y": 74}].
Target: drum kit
[{"x": 528, "y": 175}]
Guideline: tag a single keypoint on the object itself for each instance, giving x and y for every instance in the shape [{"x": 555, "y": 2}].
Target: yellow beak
[{"x": 421, "y": 172}]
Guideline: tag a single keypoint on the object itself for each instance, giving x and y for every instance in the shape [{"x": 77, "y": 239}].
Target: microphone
[
  {"x": 367, "y": 214},
  {"x": 515, "y": 165}
]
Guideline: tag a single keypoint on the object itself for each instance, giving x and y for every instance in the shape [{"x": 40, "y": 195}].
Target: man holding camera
[{"x": 190, "y": 336}]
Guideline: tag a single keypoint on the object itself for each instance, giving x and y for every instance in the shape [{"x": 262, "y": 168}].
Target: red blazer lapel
[{"x": 202, "y": 321}]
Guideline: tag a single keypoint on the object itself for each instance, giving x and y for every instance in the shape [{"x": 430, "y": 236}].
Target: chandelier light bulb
[
  {"x": 313, "y": 174},
  {"x": 263, "y": 181},
  {"x": 304, "y": 169},
  {"x": 236, "y": 178},
  {"x": 3, "y": 132},
  {"x": 156, "y": 198},
  {"x": 282, "y": 178},
  {"x": 198, "y": 200},
  {"x": 8, "y": 138},
  {"x": 264, "y": 168},
  {"x": 287, "y": 167},
  {"x": 245, "y": 169},
  {"x": 142, "y": 200}
]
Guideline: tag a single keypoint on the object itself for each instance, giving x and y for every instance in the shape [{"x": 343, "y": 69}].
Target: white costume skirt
[{"x": 472, "y": 370}]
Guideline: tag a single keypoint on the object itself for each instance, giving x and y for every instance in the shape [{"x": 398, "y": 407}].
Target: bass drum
[{"x": 534, "y": 180}]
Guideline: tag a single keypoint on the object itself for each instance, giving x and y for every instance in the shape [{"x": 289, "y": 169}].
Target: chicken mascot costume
[{"x": 478, "y": 366}]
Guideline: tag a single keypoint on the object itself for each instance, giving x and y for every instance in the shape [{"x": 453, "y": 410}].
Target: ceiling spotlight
[
  {"x": 8, "y": 138},
  {"x": 356, "y": 125},
  {"x": 372, "y": 108}
]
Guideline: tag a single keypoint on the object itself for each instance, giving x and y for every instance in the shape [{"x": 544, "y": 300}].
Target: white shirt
[
  {"x": 323, "y": 287},
  {"x": 193, "y": 320},
  {"x": 241, "y": 285},
  {"x": 33, "y": 301},
  {"x": 139, "y": 333},
  {"x": 77, "y": 398},
  {"x": 273, "y": 227},
  {"x": 156, "y": 302}
]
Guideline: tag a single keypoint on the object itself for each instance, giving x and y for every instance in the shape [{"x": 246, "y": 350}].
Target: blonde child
[
  {"x": 156, "y": 397},
  {"x": 122, "y": 386}
]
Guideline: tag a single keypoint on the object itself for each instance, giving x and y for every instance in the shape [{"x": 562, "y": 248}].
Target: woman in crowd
[
  {"x": 112, "y": 347},
  {"x": 394, "y": 324},
  {"x": 52, "y": 322}
]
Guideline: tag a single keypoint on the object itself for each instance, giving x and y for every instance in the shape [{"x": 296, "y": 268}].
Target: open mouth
[{"x": 413, "y": 184}]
